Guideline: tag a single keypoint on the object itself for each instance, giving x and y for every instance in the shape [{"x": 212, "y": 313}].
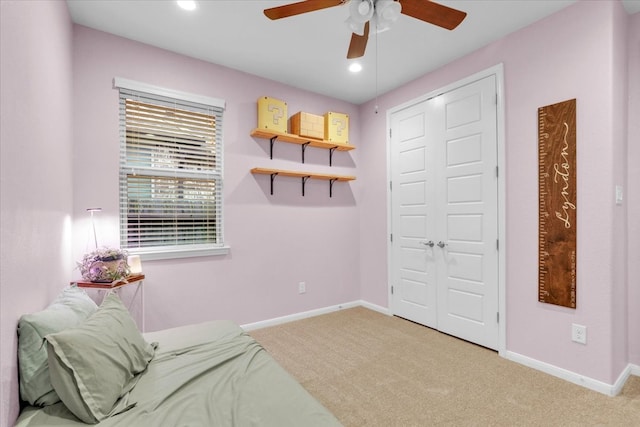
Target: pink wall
[
  {"x": 619, "y": 254},
  {"x": 36, "y": 135},
  {"x": 276, "y": 241},
  {"x": 633, "y": 189},
  {"x": 572, "y": 54},
  {"x": 338, "y": 245}
]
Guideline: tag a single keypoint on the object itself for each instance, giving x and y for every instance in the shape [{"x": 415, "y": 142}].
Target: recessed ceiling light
[
  {"x": 187, "y": 4},
  {"x": 355, "y": 67}
]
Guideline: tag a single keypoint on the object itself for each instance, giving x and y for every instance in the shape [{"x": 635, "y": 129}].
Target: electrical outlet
[
  {"x": 302, "y": 288},
  {"x": 579, "y": 333}
]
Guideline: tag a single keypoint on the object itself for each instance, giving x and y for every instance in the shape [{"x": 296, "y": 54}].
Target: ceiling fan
[{"x": 382, "y": 12}]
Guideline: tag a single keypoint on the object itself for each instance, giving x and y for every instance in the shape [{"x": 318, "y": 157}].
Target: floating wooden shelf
[
  {"x": 304, "y": 142},
  {"x": 303, "y": 175}
]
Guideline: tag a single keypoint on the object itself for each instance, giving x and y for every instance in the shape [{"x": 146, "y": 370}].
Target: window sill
[{"x": 148, "y": 254}]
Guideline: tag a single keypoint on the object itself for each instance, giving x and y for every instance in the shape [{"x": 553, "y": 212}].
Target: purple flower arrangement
[{"x": 104, "y": 265}]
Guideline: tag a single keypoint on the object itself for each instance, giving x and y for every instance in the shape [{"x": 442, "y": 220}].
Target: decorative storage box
[
  {"x": 307, "y": 125},
  {"x": 336, "y": 127},
  {"x": 272, "y": 114}
]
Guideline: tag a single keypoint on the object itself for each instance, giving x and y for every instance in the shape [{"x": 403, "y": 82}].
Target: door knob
[
  {"x": 441, "y": 244},
  {"x": 429, "y": 243}
]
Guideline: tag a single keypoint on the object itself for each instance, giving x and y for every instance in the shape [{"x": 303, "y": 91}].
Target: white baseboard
[
  {"x": 312, "y": 313},
  {"x": 375, "y": 307},
  {"x": 298, "y": 316},
  {"x": 575, "y": 378},
  {"x": 630, "y": 370}
]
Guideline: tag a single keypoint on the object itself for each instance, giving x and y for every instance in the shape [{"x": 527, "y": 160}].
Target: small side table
[{"x": 104, "y": 288}]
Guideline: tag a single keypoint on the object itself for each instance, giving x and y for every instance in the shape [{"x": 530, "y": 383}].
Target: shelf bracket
[
  {"x": 331, "y": 150},
  {"x": 304, "y": 182},
  {"x": 273, "y": 176},
  {"x": 331, "y": 181},
  {"x": 304, "y": 148},
  {"x": 272, "y": 140}
]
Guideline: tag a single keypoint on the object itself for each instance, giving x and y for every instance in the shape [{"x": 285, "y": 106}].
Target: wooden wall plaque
[{"x": 557, "y": 204}]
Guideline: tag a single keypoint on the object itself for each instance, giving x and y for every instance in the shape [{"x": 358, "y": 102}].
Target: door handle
[
  {"x": 441, "y": 244},
  {"x": 429, "y": 243}
]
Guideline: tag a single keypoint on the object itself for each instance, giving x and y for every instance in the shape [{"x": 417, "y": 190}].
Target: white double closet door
[{"x": 444, "y": 212}]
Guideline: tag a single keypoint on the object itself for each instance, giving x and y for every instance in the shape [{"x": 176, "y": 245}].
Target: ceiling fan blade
[
  {"x": 358, "y": 43},
  {"x": 300, "y": 7},
  {"x": 433, "y": 13}
]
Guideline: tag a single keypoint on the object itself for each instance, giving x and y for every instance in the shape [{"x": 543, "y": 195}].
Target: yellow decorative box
[
  {"x": 336, "y": 127},
  {"x": 272, "y": 114},
  {"x": 307, "y": 125}
]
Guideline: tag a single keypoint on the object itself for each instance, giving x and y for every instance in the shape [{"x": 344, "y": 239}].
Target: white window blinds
[{"x": 170, "y": 173}]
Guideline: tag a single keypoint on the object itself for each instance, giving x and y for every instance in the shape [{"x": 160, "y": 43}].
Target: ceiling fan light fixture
[
  {"x": 354, "y": 26},
  {"x": 361, "y": 10},
  {"x": 388, "y": 11},
  {"x": 381, "y": 25},
  {"x": 383, "y": 13}
]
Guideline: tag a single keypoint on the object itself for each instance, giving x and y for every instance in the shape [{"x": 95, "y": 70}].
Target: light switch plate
[{"x": 619, "y": 195}]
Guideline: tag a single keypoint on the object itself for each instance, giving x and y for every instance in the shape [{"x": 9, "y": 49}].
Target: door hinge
[
  {"x": 498, "y": 317},
  {"x": 497, "y": 244},
  {"x": 390, "y": 185},
  {"x": 391, "y": 289},
  {"x": 391, "y": 237},
  {"x": 496, "y": 171},
  {"x": 390, "y": 132}
]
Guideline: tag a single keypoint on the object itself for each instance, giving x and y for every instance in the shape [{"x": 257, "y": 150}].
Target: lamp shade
[{"x": 135, "y": 264}]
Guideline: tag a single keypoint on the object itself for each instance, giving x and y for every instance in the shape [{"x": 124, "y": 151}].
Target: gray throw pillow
[
  {"x": 70, "y": 309},
  {"x": 95, "y": 364}
]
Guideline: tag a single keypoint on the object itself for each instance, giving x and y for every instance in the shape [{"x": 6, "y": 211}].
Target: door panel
[
  {"x": 443, "y": 169},
  {"x": 413, "y": 193},
  {"x": 412, "y": 261},
  {"x": 412, "y": 218},
  {"x": 467, "y": 306},
  {"x": 465, "y": 266},
  {"x": 413, "y": 226},
  {"x": 464, "y": 151},
  {"x": 468, "y": 287},
  {"x": 464, "y": 189},
  {"x": 412, "y": 160},
  {"x": 413, "y": 292},
  {"x": 465, "y": 228}
]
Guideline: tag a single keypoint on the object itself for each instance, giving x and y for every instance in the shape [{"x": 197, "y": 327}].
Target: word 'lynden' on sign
[{"x": 564, "y": 171}]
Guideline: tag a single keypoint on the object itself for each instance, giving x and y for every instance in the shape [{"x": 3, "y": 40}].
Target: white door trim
[{"x": 498, "y": 72}]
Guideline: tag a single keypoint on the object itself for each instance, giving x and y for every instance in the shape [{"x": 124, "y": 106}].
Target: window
[{"x": 170, "y": 172}]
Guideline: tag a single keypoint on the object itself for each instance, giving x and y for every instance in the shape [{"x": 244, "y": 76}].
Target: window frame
[{"x": 181, "y": 250}]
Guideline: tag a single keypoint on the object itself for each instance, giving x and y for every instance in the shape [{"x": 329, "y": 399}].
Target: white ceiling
[{"x": 309, "y": 51}]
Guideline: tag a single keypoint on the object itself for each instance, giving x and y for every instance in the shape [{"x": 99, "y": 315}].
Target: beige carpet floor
[{"x": 370, "y": 369}]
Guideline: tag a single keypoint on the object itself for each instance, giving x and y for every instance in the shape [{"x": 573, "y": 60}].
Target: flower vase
[{"x": 104, "y": 265}]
